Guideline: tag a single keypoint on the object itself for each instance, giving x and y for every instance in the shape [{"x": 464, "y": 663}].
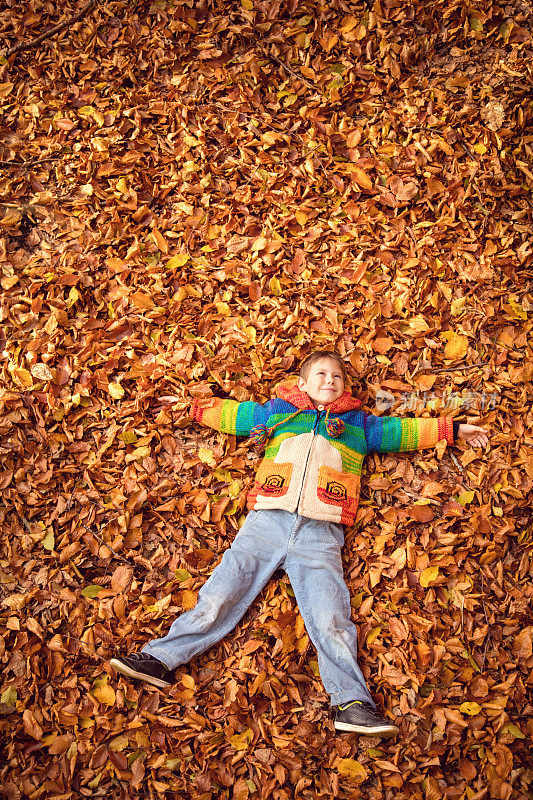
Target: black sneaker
[
  {"x": 144, "y": 667},
  {"x": 359, "y": 717}
]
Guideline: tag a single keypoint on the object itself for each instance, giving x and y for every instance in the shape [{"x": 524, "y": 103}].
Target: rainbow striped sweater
[{"x": 314, "y": 456}]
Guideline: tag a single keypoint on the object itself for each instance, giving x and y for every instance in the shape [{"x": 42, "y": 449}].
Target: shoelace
[{"x": 351, "y": 703}]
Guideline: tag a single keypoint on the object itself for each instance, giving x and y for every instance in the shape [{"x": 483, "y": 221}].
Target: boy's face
[{"x": 324, "y": 382}]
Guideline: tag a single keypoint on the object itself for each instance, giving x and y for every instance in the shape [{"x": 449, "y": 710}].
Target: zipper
[{"x": 318, "y": 414}]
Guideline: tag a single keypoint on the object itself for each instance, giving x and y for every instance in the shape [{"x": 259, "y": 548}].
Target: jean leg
[
  {"x": 314, "y": 567},
  {"x": 256, "y": 552}
]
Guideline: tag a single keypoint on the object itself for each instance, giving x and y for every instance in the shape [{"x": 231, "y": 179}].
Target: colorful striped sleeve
[
  {"x": 229, "y": 416},
  {"x": 398, "y": 434}
]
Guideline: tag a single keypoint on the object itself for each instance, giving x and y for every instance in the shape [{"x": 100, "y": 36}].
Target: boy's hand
[{"x": 473, "y": 434}]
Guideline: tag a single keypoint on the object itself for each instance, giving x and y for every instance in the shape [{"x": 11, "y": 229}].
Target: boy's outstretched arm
[
  {"x": 229, "y": 416},
  {"x": 399, "y": 434}
]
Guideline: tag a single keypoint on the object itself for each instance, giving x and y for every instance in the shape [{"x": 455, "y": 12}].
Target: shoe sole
[
  {"x": 377, "y": 730},
  {"x": 119, "y": 666}
]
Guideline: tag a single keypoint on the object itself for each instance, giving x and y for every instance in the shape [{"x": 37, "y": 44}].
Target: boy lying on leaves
[{"x": 305, "y": 491}]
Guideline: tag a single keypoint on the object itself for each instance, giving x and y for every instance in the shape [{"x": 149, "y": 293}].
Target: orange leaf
[
  {"x": 142, "y": 300},
  {"x": 361, "y": 178}
]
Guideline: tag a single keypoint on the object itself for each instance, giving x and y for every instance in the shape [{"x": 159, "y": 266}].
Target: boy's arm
[
  {"x": 398, "y": 434},
  {"x": 229, "y": 416}
]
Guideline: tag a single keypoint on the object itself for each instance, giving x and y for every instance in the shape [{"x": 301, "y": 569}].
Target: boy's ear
[{"x": 301, "y": 383}]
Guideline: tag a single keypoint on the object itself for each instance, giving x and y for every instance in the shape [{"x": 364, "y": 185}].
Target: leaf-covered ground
[{"x": 194, "y": 194}]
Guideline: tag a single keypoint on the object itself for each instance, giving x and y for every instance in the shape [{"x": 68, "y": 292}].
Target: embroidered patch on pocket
[
  {"x": 338, "y": 488},
  {"x": 272, "y": 480}
]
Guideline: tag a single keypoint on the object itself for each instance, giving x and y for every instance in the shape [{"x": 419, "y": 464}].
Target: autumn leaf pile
[{"x": 193, "y": 195}]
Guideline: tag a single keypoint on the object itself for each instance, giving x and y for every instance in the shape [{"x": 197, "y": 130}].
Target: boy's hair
[{"x": 318, "y": 355}]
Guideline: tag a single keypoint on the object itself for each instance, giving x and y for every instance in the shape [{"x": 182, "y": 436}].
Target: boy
[{"x": 305, "y": 491}]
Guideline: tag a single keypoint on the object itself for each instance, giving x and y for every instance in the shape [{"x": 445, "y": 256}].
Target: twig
[
  {"x": 21, "y": 518},
  {"x": 34, "y": 42},
  {"x": 448, "y": 369},
  {"x": 289, "y": 69},
  {"x": 116, "y": 556},
  {"x": 486, "y": 620},
  {"x": 29, "y": 163}
]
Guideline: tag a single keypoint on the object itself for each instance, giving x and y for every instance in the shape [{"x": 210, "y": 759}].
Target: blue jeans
[{"x": 309, "y": 550}]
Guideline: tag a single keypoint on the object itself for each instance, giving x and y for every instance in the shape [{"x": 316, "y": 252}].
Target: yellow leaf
[
  {"x": 428, "y": 575},
  {"x": 470, "y": 708},
  {"x": 22, "y": 377},
  {"x": 73, "y": 297},
  {"x": 177, "y": 261},
  {"x": 456, "y": 346},
  {"x": 118, "y": 744},
  {"x": 457, "y": 306},
  {"x": 518, "y": 310},
  {"x": 247, "y": 4},
  {"x": 314, "y": 667},
  {"x": 116, "y": 390},
  {"x": 103, "y": 692},
  {"x": 206, "y": 456},
  {"x": 505, "y": 29},
  {"x": 465, "y": 498},
  {"x": 138, "y": 453},
  {"x": 373, "y": 635},
  {"x": 417, "y": 325},
  {"x": 290, "y": 99},
  {"x": 350, "y": 768},
  {"x": 241, "y": 741},
  {"x": 48, "y": 542},
  {"x": 270, "y": 137},
  {"x": 301, "y": 218},
  {"x": 514, "y": 730},
  {"x": 480, "y": 149},
  {"x": 275, "y": 286}
]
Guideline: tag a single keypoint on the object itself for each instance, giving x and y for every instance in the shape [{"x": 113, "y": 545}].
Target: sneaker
[
  {"x": 144, "y": 667},
  {"x": 359, "y": 717}
]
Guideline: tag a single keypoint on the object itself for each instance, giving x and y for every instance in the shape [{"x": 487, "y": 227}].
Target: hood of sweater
[{"x": 288, "y": 390}]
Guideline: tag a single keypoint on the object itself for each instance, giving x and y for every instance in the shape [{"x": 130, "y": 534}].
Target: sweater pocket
[
  {"x": 340, "y": 489},
  {"x": 273, "y": 480}
]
